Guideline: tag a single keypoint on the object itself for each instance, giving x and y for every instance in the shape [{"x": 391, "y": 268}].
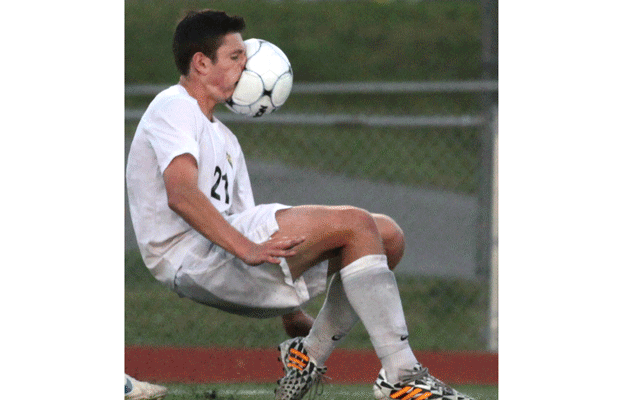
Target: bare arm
[{"x": 186, "y": 199}]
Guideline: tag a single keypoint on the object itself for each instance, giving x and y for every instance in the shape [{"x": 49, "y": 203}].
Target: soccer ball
[{"x": 266, "y": 81}]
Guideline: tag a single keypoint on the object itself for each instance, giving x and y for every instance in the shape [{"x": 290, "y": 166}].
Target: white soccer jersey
[{"x": 173, "y": 125}]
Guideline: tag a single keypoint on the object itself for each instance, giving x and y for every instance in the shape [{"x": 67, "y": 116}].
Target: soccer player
[{"x": 201, "y": 234}]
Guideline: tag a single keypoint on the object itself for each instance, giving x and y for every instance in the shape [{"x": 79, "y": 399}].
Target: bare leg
[
  {"x": 299, "y": 323},
  {"x": 349, "y": 232},
  {"x": 393, "y": 242},
  {"x": 365, "y": 285},
  {"x": 393, "y": 239}
]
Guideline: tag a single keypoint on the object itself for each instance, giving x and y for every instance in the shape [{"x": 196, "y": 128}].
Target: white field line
[
  {"x": 330, "y": 392},
  {"x": 366, "y": 393}
]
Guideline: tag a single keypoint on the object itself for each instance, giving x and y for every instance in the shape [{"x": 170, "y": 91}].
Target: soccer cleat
[
  {"x": 419, "y": 386},
  {"x": 301, "y": 371},
  {"x": 137, "y": 390}
]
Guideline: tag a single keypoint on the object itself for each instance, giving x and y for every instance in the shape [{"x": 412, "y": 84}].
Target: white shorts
[{"x": 214, "y": 277}]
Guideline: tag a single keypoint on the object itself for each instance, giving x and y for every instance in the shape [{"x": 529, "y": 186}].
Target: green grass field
[
  {"x": 337, "y": 41},
  {"x": 265, "y": 392}
]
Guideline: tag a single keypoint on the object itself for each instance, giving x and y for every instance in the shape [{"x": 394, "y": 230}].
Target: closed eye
[{"x": 237, "y": 55}]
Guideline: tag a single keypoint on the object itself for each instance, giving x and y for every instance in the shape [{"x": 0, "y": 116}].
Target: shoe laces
[
  {"x": 317, "y": 384},
  {"x": 301, "y": 370},
  {"x": 422, "y": 374}
]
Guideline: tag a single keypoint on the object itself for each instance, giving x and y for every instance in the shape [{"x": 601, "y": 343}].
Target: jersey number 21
[{"x": 219, "y": 179}]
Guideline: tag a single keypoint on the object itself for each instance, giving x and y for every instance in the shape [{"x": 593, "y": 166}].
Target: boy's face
[{"x": 226, "y": 71}]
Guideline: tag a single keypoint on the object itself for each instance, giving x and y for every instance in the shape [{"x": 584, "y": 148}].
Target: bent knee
[
  {"x": 393, "y": 239},
  {"x": 349, "y": 217}
]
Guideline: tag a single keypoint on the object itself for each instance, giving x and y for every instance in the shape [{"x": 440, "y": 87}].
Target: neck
[{"x": 197, "y": 91}]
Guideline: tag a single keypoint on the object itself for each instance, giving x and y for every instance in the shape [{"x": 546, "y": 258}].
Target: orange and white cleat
[
  {"x": 301, "y": 371},
  {"x": 420, "y": 385}
]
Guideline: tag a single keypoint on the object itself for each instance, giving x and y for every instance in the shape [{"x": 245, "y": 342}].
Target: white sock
[
  {"x": 333, "y": 323},
  {"x": 373, "y": 293}
]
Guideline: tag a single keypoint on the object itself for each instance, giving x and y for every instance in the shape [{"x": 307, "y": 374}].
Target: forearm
[
  {"x": 196, "y": 209},
  {"x": 186, "y": 199}
]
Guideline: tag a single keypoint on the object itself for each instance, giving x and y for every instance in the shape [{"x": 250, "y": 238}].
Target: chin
[
  {"x": 225, "y": 97},
  {"x": 221, "y": 99}
]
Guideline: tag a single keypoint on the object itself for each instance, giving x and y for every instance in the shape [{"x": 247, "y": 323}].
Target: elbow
[
  {"x": 181, "y": 198},
  {"x": 176, "y": 202}
]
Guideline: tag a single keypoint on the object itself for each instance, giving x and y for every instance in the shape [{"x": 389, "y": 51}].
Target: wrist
[{"x": 244, "y": 248}]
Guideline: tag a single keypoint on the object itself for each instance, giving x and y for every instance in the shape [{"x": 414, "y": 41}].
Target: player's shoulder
[
  {"x": 226, "y": 131},
  {"x": 174, "y": 99}
]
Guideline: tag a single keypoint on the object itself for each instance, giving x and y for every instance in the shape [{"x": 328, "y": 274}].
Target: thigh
[
  {"x": 327, "y": 230},
  {"x": 310, "y": 222}
]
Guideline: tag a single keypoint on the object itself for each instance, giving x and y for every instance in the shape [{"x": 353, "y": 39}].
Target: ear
[{"x": 201, "y": 63}]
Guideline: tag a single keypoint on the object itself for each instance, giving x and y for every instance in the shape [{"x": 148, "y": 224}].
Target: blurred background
[{"x": 394, "y": 109}]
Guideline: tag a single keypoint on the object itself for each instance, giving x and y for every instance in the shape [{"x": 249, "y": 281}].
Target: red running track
[{"x": 228, "y": 365}]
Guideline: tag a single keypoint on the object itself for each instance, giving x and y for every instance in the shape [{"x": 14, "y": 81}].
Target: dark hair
[{"x": 202, "y": 32}]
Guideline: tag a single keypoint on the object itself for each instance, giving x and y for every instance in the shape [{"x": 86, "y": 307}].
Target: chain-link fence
[{"x": 425, "y": 172}]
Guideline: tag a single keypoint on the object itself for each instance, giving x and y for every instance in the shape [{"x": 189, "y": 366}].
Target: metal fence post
[
  {"x": 493, "y": 279},
  {"x": 487, "y": 194}
]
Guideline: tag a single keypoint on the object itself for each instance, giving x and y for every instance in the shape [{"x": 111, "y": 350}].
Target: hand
[{"x": 272, "y": 250}]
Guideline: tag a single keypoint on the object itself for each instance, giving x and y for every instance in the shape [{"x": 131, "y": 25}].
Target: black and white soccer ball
[{"x": 266, "y": 81}]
